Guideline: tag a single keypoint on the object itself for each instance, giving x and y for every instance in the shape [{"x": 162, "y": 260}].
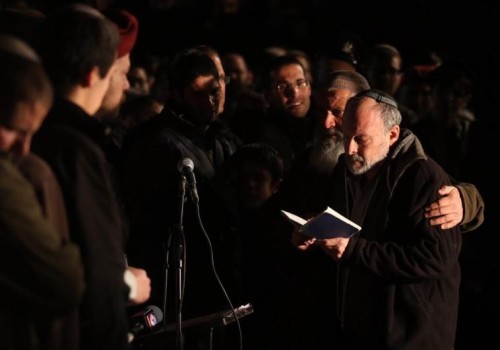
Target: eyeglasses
[
  {"x": 226, "y": 79},
  {"x": 300, "y": 84}
]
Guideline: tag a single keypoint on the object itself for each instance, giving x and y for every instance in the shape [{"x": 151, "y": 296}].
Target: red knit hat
[{"x": 127, "y": 25}]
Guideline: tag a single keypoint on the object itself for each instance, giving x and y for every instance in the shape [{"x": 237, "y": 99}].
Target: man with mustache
[
  {"x": 304, "y": 192},
  {"x": 459, "y": 204},
  {"x": 399, "y": 277},
  {"x": 187, "y": 127}
]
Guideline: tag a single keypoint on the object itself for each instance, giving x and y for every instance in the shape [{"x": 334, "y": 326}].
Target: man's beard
[
  {"x": 325, "y": 152},
  {"x": 366, "y": 165}
]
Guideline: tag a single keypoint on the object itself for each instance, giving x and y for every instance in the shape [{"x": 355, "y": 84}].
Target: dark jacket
[
  {"x": 399, "y": 277},
  {"x": 41, "y": 277},
  {"x": 66, "y": 142},
  {"x": 288, "y": 135},
  {"x": 151, "y": 190}
]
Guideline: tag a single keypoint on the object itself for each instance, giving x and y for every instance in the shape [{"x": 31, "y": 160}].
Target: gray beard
[{"x": 325, "y": 153}]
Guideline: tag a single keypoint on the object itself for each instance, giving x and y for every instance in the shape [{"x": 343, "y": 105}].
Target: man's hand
[
  {"x": 448, "y": 210},
  {"x": 301, "y": 241},
  {"x": 335, "y": 247},
  {"x": 142, "y": 286}
]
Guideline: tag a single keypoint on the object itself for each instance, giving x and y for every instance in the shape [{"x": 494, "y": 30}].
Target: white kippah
[{"x": 348, "y": 80}]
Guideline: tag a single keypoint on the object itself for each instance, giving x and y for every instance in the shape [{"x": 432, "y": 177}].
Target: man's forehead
[
  {"x": 338, "y": 94},
  {"x": 287, "y": 70},
  {"x": 25, "y": 122},
  {"x": 360, "y": 109}
]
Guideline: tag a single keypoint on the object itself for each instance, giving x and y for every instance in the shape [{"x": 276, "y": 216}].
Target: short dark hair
[
  {"x": 187, "y": 65},
  {"x": 76, "y": 39},
  {"x": 276, "y": 63},
  {"x": 261, "y": 154}
]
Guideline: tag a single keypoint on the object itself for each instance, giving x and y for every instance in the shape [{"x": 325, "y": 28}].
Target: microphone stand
[{"x": 176, "y": 245}]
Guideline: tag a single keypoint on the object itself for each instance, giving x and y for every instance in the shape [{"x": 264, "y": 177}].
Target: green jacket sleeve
[
  {"x": 38, "y": 270},
  {"x": 473, "y": 206}
]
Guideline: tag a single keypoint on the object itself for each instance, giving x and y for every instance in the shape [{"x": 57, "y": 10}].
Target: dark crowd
[{"x": 148, "y": 149}]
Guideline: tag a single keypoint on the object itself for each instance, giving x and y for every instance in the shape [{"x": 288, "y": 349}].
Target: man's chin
[
  {"x": 356, "y": 168},
  {"x": 297, "y": 112}
]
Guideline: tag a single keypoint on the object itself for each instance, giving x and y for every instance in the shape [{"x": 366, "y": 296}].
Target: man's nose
[
  {"x": 126, "y": 84},
  {"x": 350, "y": 146},
  {"x": 329, "y": 121},
  {"x": 214, "y": 99}
]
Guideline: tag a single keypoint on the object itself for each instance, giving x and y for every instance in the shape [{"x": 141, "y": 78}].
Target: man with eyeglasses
[
  {"x": 187, "y": 127},
  {"x": 223, "y": 78},
  {"x": 461, "y": 204},
  {"x": 289, "y": 122},
  {"x": 399, "y": 276}
]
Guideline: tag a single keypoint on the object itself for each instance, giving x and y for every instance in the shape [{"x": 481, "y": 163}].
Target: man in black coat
[
  {"x": 79, "y": 49},
  {"x": 399, "y": 276},
  {"x": 202, "y": 228}
]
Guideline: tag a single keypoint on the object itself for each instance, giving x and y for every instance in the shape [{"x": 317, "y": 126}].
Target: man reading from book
[
  {"x": 327, "y": 224},
  {"x": 399, "y": 276}
]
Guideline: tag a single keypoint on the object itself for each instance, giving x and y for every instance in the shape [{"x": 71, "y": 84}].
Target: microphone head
[
  {"x": 154, "y": 317},
  {"x": 185, "y": 163},
  {"x": 147, "y": 317}
]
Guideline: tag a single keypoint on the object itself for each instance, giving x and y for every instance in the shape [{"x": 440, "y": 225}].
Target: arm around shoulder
[{"x": 473, "y": 207}]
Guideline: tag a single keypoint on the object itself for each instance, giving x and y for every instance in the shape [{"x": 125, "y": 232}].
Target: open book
[{"x": 328, "y": 224}]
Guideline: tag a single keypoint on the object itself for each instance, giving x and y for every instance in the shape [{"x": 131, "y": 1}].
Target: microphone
[
  {"x": 186, "y": 167},
  {"x": 145, "y": 319}
]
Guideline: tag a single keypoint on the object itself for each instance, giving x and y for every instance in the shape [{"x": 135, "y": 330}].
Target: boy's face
[{"x": 256, "y": 185}]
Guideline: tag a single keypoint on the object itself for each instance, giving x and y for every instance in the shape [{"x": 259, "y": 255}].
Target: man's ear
[
  {"x": 91, "y": 77},
  {"x": 394, "y": 134}
]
